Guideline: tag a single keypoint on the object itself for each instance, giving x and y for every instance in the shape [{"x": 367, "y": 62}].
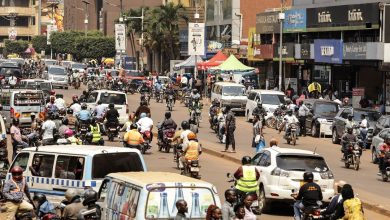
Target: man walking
[{"x": 230, "y": 127}]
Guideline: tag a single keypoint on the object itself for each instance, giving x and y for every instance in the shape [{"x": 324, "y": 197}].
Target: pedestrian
[
  {"x": 182, "y": 209},
  {"x": 239, "y": 211},
  {"x": 303, "y": 111},
  {"x": 273, "y": 142},
  {"x": 352, "y": 206},
  {"x": 228, "y": 205},
  {"x": 248, "y": 200},
  {"x": 213, "y": 213},
  {"x": 16, "y": 137},
  {"x": 230, "y": 127},
  {"x": 258, "y": 141}
]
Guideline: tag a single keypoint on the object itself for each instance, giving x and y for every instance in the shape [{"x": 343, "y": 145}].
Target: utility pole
[
  {"x": 86, "y": 3},
  {"x": 39, "y": 17},
  {"x": 281, "y": 19}
]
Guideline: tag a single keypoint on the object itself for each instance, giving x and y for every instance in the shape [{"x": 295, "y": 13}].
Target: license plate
[
  {"x": 194, "y": 169},
  {"x": 26, "y": 115}
]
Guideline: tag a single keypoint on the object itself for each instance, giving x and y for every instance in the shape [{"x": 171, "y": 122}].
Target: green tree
[
  {"x": 94, "y": 47},
  {"x": 64, "y": 42},
  {"x": 17, "y": 46},
  {"x": 40, "y": 43}
]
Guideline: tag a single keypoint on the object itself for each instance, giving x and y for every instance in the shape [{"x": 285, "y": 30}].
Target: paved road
[{"x": 214, "y": 168}]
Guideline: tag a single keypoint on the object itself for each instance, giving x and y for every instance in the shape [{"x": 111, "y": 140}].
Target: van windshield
[
  {"x": 116, "y": 98},
  {"x": 57, "y": 71},
  {"x": 45, "y": 86},
  {"x": 103, "y": 164},
  {"x": 233, "y": 91},
  {"x": 28, "y": 99},
  {"x": 198, "y": 200},
  {"x": 272, "y": 99}
]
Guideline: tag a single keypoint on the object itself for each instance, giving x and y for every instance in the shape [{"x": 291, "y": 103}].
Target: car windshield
[
  {"x": 57, "y": 71},
  {"x": 326, "y": 109},
  {"x": 160, "y": 194},
  {"x": 370, "y": 116},
  {"x": 50, "y": 62},
  {"x": 8, "y": 71},
  {"x": 272, "y": 99},
  {"x": 103, "y": 164},
  {"x": 46, "y": 86},
  {"x": 78, "y": 66},
  {"x": 233, "y": 91},
  {"x": 28, "y": 99},
  {"x": 301, "y": 163},
  {"x": 116, "y": 98}
]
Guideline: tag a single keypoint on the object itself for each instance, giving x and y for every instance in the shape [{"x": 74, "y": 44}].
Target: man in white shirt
[
  {"x": 364, "y": 128},
  {"x": 183, "y": 81},
  {"x": 100, "y": 110},
  {"x": 145, "y": 123},
  {"x": 186, "y": 130},
  {"x": 288, "y": 119},
  {"x": 12, "y": 80},
  {"x": 48, "y": 131},
  {"x": 60, "y": 102},
  {"x": 302, "y": 114},
  {"x": 76, "y": 107}
]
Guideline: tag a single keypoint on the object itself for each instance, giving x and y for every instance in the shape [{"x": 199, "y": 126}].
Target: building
[{"x": 75, "y": 15}]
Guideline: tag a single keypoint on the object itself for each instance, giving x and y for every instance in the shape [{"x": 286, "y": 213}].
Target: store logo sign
[
  {"x": 355, "y": 15},
  {"x": 324, "y": 17},
  {"x": 327, "y": 51}
]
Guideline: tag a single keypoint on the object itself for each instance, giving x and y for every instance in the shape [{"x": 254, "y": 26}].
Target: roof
[
  {"x": 228, "y": 84},
  {"x": 108, "y": 91},
  {"x": 319, "y": 100},
  {"x": 56, "y": 66},
  {"x": 80, "y": 150},
  {"x": 145, "y": 178},
  {"x": 267, "y": 91},
  {"x": 232, "y": 64},
  {"x": 283, "y": 150}
]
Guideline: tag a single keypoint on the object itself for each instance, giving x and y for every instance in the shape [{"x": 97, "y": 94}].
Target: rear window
[
  {"x": 116, "y": 98},
  {"x": 161, "y": 201},
  {"x": 57, "y": 71},
  {"x": 233, "y": 90},
  {"x": 8, "y": 71},
  {"x": 28, "y": 99},
  {"x": 370, "y": 116},
  {"x": 272, "y": 99},
  {"x": 326, "y": 109},
  {"x": 46, "y": 86},
  {"x": 301, "y": 163},
  {"x": 103, "y": 164}
]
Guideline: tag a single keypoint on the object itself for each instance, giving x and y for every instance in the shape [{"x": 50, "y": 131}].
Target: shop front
[
  {"x": 305, "y": 54},
  {"x": 289, "y": 65},
  {"x": 264, "y": 54}
]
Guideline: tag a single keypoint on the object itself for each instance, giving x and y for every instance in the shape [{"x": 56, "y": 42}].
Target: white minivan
[
  {"x": 58, "y": 76},
  {"x": 270, "y": 100},
  {"x": 230, "y": 94},
  {"x": 153, "y": 195},
  {"x": 119, "y": 99}
]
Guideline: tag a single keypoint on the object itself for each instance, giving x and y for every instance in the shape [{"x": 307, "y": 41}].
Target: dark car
[
  {"x": 320, "y": 111},
  {"x": 382, "y": 123},
  {"x": 338, "y": 125},
  {"x": 10, "y": 68}
]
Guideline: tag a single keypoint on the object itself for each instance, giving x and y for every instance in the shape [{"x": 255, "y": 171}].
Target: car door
[{"x": 264, "y": 166}]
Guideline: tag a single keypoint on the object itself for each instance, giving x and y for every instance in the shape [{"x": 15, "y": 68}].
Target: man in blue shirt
[{"x": 83, "y": 116}]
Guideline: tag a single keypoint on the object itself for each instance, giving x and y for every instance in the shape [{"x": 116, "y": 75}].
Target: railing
[{"x": 18, "y": 10}]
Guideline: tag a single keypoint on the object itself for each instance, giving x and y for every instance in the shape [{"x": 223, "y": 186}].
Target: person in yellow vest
[
  {"x": 94, "y": 129},
  {"x": 191, "y": 150},
  {"x": 247, "y": 176},
  {"x": 132, "y": 138}
]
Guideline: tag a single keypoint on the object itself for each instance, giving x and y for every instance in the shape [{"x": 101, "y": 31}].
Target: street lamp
[
  {"x": 281, "y": 17},
  {"x": 86, "y": 16}
]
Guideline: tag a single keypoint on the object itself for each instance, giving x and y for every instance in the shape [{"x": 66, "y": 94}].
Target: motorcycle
[
  {"x": 112, "y": 130},
  {"x": 310, "y": 212},
  {"x": 353, "y": 156},
  {"x": 386, "y": 160},
  {"x": 170, "y": 102},
  {"x": 270, "y": 120},
  {"x": 83, "y": 130},
  {"x": 191, "y": 169},
  {"x": 146, "y": 145},
  {"x": 291, "y": 133},
  {"x": 145, "y": 97},
  {"x": 166, "y": 143}
]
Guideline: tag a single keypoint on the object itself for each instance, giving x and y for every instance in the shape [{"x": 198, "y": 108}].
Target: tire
[
  {"x": 356, "y": 163},
  {"x": 288, "y": 141},
  {"x": 247, "y": 116},
  {"x": 143, "y": 149},
  {"x": 264, "y": 205},
  {"x": 374, "y": 158},
  {"x": 271, "y": 122},
  {"x": 346, "y": 165},
  {"x": 335, "y": 138},
  {"x": 159, "y": 147},
  {"x": 167, "y": 149},
  {"x": 314, "y": 130},
  {"x": 294, "y": 139},
  {"x": 384, "y": 177}
]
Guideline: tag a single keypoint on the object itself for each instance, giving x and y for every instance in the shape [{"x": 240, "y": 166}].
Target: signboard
[
  {"x": 355, "y": 51},
  {"x": 386, "y": 25},
  {"x": 251, "y": 42},
  {"x": 52, "y": 13},
  {"x": 120, "y": 37},
  {"x": 357, "y": 94},
  {"x": 213, "y": 46},
  {"x": 287, "y": 50},
  {"x": 293, "y": 82},
  {"x": 361, "y": 16},
  {"x": 50, "y": 29},
  {"x": 328, "y": 51},
  {"x": 267, "y": 22},
  {"x": 129, "y": 63},
  {"x": 263, "y": 51},
  {"x": 295, "y": 20},
  {"x": 196, "y": 38},
  {"x": 12, "y": 33}
]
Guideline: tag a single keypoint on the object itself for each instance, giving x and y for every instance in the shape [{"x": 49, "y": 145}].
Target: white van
[
  {"x": 20, "y": 104},
  {"x": 153, "y": 195},
  {"x": 67, "y": 166},
  {"x": 108, "y": 96},
  {"x": 269, "y": 98},
  {"x": 58, "y": 76},
  {"x": 230, "y": 94}
]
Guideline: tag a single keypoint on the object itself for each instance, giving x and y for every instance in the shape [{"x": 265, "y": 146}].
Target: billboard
[
  {"x": 295, "y": 20},
  {"x": 196, "y": 38},
  {"x": 328, "y": 51},
  {"x": 120, "y": 37},
  {"x": 52, "y": 13}
]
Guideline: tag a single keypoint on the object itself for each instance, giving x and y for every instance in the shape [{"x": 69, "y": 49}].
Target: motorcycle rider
[
  {"x": 68, "y": 134},
  {"x": 347, "y": 138},
  {"x": 16, "y": 136},
  {"x": 246, "y": 176},
  {"x": 384, "y": 148},
  {"x": 335, "y": 209},
  {"x": 84, "y": 96},
  {"x": 213, "y": 111},
  {"x": 145, "y": 124},
  {"x": 158, "y": 87},
  {"x": 111, "y": 115},
  {"x": 132, "y": 138},
  {"x": 75, "y": 106},
  {"x": 194, "y": 99},
  {"x": 363, "y": 129},
  {"x": 99, "y": 111},
  {"x": 72, "y": 209},
  {"x": 94, "y": 128},
  {"x": 143, "y": 108},
  {"x": 93, "y": 210},
  {"x": 191, "y": 150},
  {"x": 170, "y": 91},
  {"x": 60, "y": 102},
  {"x": 166, "y": 125},
  {"x": 309, "y": 194},
  {"x": 288, "y": 119},
  {"x": 184, "y": 134},
  {"x": 259, "y": 110},
  {"x": 64, "y": 127},
  {"x": 51, "y": 106},
  {"x": 43, "y": 206},
  {"x": 350, "y": 122},
  {"x": 13, "y": 192},
  {"x": 83, "y": 117}
]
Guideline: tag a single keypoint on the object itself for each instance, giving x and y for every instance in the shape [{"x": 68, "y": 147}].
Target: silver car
[
  {"x": 377, "y": 141},
  {"x": 58, "y": 76}
]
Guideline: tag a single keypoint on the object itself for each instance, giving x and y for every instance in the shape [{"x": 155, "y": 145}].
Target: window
[
  {"x": 301, "y": 163},
  {"x": 272, "y": 99},
  {"x": 345, "y": 113},
  {"x": 43, "y": 166},
  {"x": 383, "y": 134},
  {"x": 21, "y": 160},
  {"x": 122, "y": 198},
  {"x": 370, "y": 116},
  {"x": 57, "y": 71},
  {"x": 265, "y": 159},
  {"x": 68, "y": 167},
  {"x": 103, "y": 164},
  {"x": 233, "y": 91},
  {"x": 326, "y": 109},
  {"x": 92, "y": 97},
  {"x": 5, "y": 99},
  {"x": 256, "y": 159},
  {"x": 28, "y": 99},
  {"x": 252, "y": 96},
  {"x": 116, "y": 98}
]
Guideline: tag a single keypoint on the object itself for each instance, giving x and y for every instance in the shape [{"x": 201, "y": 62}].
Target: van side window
[
  {"x": 43, "y": 165},
  {"x": 21, "y": 160},
  {"x": 129, "y": 208},
  {"x": 69, "y": 167},
  {"x": 252, "y": 96}
]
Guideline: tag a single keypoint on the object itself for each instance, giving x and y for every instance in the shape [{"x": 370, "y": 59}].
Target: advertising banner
[
  {"x": 337, "y": 17},
  {"x": 52, "y": 13},
  {"x": 251, "y": 42},
  {"x": 120, "y": 37},
  {"x": 263, "y": 51},
  {"x": 12, "y": 33},
  {"x": 295, "y": 20},
  {"x": 355, "y": 51},
  {"x": 129, "y": 63},
  {"x": 196, "y": 39},
  {"x": 267, "y": 22},
  {"x": 305, "y": 51},
  {"x": 287, "y": 50},
  {"x": 328, "y": 51},
  {"x": 50, "y": 30}
]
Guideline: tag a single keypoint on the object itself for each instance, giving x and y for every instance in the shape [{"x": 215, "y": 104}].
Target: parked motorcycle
[
  {"x": 353, "y": 157},
  {"x": 291, "y": 133}
]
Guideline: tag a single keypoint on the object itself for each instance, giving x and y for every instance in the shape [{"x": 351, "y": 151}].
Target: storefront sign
[
  {"x": 264, "y": 51},
  {"x": 336, "y": 17},
  {"x": 355, "y": 51},
  {"x": 267, "y": 23},
  {"x": 304, "y": 51},
  {"x": 328, "y": 51},
  {"x": 229, "y": 51},
  {"x": 295, "y": 20},
  {"x": 214, "y": 46},
  {"x": 287, "y": 50}
]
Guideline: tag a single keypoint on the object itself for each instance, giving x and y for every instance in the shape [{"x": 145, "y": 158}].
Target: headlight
[
  {"x": 327, "y": 175},
  {"x": 321, "y": 120}
]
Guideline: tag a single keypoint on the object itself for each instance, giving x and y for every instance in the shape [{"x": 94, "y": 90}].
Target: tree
[
  {"x": 94, "y": 47},
  {"x": 17, "y": 46},
  {"x": 64, "y": 42},
  {"x": 40, "y": 43}
]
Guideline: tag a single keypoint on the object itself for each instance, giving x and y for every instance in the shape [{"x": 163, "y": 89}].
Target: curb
[
  {"x": 376, "y": 208},
  {"x": 222, "y": 155}
]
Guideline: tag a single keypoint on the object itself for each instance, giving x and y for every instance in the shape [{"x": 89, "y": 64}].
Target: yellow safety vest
[
  {"x": 248, "y": 182},
  {"x": 192, "y": 151},
  {"x": 95, "y": 133},
  {"x": 134, "y": 137}
]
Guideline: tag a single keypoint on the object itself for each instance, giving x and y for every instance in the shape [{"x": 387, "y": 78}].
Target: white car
[
  {"x": 281, "y": 172},
  {"x": 270, "y": 100}
]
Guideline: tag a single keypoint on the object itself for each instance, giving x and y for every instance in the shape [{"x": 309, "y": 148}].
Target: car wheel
[
  {"x": 314, "y": 132},
  {"x": 335, "y": 138},
  {"x": 374, "y": 158},
  {"x": 264, "y": 205}
]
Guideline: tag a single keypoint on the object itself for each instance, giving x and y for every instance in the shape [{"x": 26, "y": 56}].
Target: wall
[
  {"x": 318, "y": 3},
  {"x": 74, "y": 15}
]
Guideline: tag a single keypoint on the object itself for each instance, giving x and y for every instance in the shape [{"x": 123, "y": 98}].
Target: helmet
[
  {"x": 68, "y": 133},
  {"x": 93, "y": 120},
  {"x": 75, "y": 98},
  {"x": 89, "y": 137},
  {"x": 133, "y": 126},
  {"x": 70, "y": 194},
  {"x": 308, "y": 176},
  {"x": 54, "y": 115},
  {"x": 143, "y": 115},
  {"x": 288, "y": 101},
  {"x": 168, "y": 115},
  {"x": 185, "y": 125},
  {"x": 259, "y": 104},
  {"x": 191, "y": 136},
  {"x": 289, "y": 112},
  {"x": 195, "y": 91},
  {"x": 84, "y": 106},
  {"x": 33, "y": 114},
  {"x": 15, "y": 121},
  {"x": 349, "y": 129},
  {"x": 111, "y": 105},
  {"x": 40, "y": 198},
  {"x": 65, "y": 121},
  {"x": 246, "y": 160},
  {"x": 90, "y": 196},
  {"x": 144, "y": 103},
  {"x": 17, "y": 173}
]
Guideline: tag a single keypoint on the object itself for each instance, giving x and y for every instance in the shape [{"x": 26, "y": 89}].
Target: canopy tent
[
  {"x": 216, "y": 60},
  {"x": 189, "y": 62},
  {"x": 232, "y": 64}
]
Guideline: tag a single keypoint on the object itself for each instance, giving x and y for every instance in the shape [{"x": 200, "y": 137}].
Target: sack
[
  {"x": 257, "y": 138},
  {"x": 260, "y": 145}
]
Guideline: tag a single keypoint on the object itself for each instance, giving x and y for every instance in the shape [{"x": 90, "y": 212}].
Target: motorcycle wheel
[
  {"x": 177, "y": 162},
  {"x": 159, "y": 147},
  {"x": 356, "y": 163},
  {"x": 346, "y": 165},
  {"x": 288, "y": 140},
  {"x": 384, "y": 177},
  {"x": 271, "y": 122},
  {"x": 167, "y": 149},
  {"x": 294, "y": 139},
  {"x": 143, "y": 149}
]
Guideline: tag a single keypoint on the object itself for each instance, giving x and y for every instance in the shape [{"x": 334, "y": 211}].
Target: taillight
[{"x": 317, "y": 212}]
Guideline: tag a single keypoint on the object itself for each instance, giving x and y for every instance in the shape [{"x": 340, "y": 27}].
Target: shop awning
[
  {"x": 189, "y": 62},
  {"x": 216, "y": 60},
  {"x": 232, "y": 64}
]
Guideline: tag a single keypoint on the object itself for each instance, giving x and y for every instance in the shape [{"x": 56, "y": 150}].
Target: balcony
[
  {"x": 21, "y": 11},
  {"x": 21, "y": 31}
]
